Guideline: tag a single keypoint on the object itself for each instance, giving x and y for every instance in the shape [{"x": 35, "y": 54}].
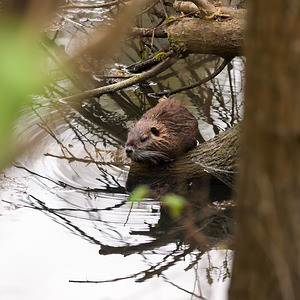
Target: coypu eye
[
  {"x": 144, "y": 139},
  {"x": 155, "y": 131}
]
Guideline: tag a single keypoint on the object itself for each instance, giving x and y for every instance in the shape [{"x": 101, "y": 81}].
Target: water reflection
[
  {"x": 72, "y": 177},
  {"x": 78, "y": 177}
]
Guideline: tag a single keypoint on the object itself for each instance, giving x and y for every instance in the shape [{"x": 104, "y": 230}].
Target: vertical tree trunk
[{"x": 267, "y": 260}]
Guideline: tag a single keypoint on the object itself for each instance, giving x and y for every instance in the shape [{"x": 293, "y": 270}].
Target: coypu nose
[{"x": 129, "y": 151}]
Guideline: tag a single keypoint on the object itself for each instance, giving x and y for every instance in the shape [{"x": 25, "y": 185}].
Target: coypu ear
[{"x": 155, "y": 131}]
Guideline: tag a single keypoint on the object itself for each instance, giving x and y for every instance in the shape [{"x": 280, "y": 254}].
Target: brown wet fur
[{"x": 163, "y": 133}]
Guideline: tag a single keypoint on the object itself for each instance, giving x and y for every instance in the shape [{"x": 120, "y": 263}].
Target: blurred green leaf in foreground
[
  {"x": 175, "y": 203},
  {"x": 20, "y": 76},
  {"x": 139, "y": 193}
]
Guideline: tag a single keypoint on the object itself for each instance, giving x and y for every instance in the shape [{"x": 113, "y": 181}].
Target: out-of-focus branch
[
  {"x": 31, "y": 13},
  {"x": 104, "y": 44},
  {"x": 151, "y": 7},
  {"x": 99, "y": 5}
]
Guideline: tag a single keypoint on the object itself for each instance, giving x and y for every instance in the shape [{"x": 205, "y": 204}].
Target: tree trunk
[{"x": 267, "y": 259}]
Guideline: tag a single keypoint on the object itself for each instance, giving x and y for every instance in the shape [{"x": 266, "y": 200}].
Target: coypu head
[
  {"x": 147, "y": 142},
  {"x": 163, "y": 133}
]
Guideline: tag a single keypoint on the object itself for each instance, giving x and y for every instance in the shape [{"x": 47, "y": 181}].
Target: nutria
[{"x": 163, "y": 133}]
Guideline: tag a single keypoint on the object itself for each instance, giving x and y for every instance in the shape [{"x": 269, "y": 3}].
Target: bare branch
[
  {"x": 125, "y": 83},
  {"x": 206, "y": 79},
  {"x": 185, "y": 6},
  {"x": 205, "y": 5},
  {"x": 145, "y": 32}
]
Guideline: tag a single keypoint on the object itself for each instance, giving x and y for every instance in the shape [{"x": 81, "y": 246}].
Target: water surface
[{"x": 65, "y": 218}]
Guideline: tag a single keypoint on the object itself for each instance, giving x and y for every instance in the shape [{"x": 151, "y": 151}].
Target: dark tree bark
[{"x": 267, "y": 259}]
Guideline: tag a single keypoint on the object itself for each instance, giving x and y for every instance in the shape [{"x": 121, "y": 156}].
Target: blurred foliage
[
  {"x": 139, "y": 193},
  {"x": 175, "y": 203},
  {"x": 20, "y": 76}
]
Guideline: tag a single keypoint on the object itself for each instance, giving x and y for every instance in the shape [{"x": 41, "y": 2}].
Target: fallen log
[
  {"x": 222, "y": 34},
  {"x": 218, "y": 157}
]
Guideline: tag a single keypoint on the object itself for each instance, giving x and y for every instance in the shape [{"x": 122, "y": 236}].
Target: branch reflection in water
[
  {"x": 85, "y": 187},
  {"x": 74, "y": 172}
]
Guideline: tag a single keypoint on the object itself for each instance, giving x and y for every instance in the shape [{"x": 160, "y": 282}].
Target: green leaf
[
  {"x": 175, "y": 203},
  {"x": 139, "y": 193}
]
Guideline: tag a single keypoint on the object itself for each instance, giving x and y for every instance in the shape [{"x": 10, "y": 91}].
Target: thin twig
[
  {"x": 164, "y": 9},
  {"x": 147, "y": 9},
  {"x": 149, "y": 32},
  {"x": 206, "y": 79}
]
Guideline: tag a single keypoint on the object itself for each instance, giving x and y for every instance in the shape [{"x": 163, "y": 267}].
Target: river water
[{"x": 67, "y": 229}]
